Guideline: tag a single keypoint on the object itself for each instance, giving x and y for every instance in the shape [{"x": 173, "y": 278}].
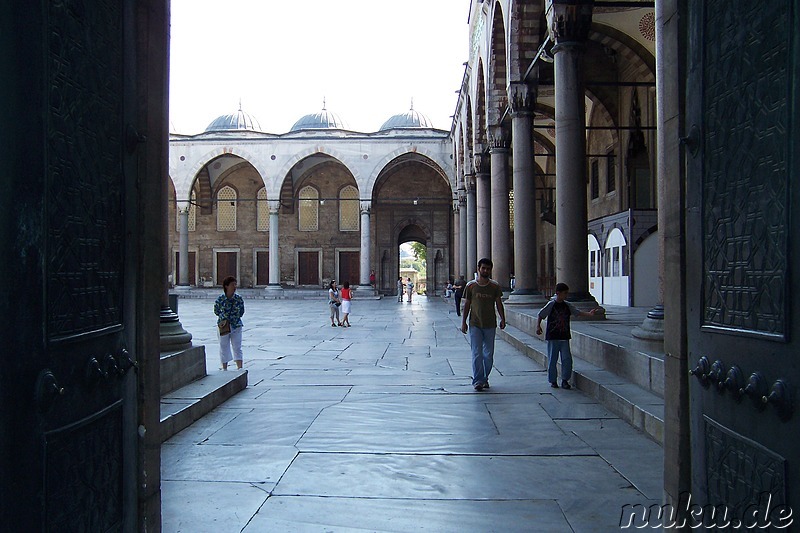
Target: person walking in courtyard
[
  {"x": 229, "y": 308},
  {"x": 334, "y": 302},
  {"x": 458, "y": 293},
  {"x": 347, "y": 296},
  {"x": 409, "y": 289},
  {"x": 558, "y": 312},
  {"x": 400, "y": 289},
  {"x": 482, "y": 296},
  {"x": 372, "y": 278}
]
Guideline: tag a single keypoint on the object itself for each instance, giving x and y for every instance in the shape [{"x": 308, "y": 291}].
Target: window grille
[
  {"x": 511, "y": 209},
  {"x": 226, "y": 209},
  {"x": 262, "y": 210},
  {"x": 309, "y": 209},
  {"x": 595, "y": 180},
  {"x": 611, "y": 173},
  {"x": 193, "y": 213},
  {"x": 348, "y": 209}
]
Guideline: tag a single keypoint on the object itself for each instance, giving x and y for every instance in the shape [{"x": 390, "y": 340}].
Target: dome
[
  {"x": 319, "y": 121},
  {"x": 235, "y": 122},
  {"x": 409, "y": 119}
]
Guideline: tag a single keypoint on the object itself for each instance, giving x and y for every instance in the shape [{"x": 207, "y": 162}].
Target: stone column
[
  {"x": 526, "y": 285},
  {"x": 501, "y": 231},
  {"x": 472, "y": 214},
  {"x": 366, "y": 248},
  {"x": 569, "y": 26},
  {"x": 463, "y": 269},
  {"x": 274, "y": 247},
  {"x": 456, "y": 238},
  {"x": 183, "y": 246},
  {"x": 483, "y": 202}
]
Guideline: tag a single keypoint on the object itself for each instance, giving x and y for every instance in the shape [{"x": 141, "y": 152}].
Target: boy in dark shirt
[{"x": 558, "y": 312}]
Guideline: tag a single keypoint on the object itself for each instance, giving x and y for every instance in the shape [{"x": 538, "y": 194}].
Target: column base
[
  {"x": 172, "y": 335},
  {"x": 274, "y": 290},
  {"x": 652, "y": 328},
  {"x": 526, "y": 297},
  {"x": 183, "y": 287}
]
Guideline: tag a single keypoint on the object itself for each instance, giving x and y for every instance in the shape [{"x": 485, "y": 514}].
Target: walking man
[
  {"x": 459, "y": 293},
  {"x": 482, "y": 296},
  {"x": 400, "y": 289}
]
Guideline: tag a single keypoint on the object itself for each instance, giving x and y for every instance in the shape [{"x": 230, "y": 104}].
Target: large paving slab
[{"x": 376, "y": 428}]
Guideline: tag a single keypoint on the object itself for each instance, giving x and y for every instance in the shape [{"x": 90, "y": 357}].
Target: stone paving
[{"x": 377, "y": 428}]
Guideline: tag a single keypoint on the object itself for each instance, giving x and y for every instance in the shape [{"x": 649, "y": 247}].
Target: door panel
[
  {"x": 227, "y": 263},
  {"x": 68, "y": 398},
  {"x": 349, "y": 268},
  {"x": 308, "y": 268},
  {"x": 262, "y": 268},
  {"x": 192, "y": 268},
  {"x": 742, "y": 104}
]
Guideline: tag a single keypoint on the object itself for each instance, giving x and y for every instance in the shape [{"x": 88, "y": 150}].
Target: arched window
[
  {"x": 348, "y": 209},
  {"x": 262, "y": 210},
  {"x": 309, "y": 209},
  {"x": 226, "y": 209}
]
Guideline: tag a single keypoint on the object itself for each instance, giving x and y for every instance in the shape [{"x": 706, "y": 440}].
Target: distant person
[
  {"x": 334, "y": 302},
  {"x": 458, "y": 292},
  {"x": 229, "y": 308},
  {"x": 557, "y": 312},
  {"x": 347, "y": 296},
  {"x": 483, "y": 296},
  {"x": 448, "y": 289},
  {"x": 409, "y": 289},
  {"x": 372, "y": 278},
  {"x": 400, "y": 289}
]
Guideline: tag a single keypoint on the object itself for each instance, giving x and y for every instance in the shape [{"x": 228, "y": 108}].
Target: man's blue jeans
[
  {"x": 553, "y": 349},
  {"x": 482, "y": 342}
]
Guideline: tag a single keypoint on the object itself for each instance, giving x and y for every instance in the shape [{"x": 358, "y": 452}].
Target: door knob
[
  {"x": 47, "y": 390},
  {"x": 756, "y": 388},
  {"x": 702, "y": 369},
  {"x": 717, "y": 374},
  {"x": 734, "y": 381},
  {"x": 780, "y": 398}
]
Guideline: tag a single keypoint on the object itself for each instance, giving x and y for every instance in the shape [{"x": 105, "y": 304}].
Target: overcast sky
[{"x": 367, "y": 58}]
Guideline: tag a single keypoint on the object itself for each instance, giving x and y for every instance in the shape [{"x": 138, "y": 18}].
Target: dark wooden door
[
  {"x": 349, "y": 268},
  {"x": 308, "y": 268},
  {"x": 743, "y": 118},
  {"x": 262, "y": 268},
  {"x": 68, "y": 412},
  {"x": 227, "y": 263},
  {"x": 192, "y": 269}
]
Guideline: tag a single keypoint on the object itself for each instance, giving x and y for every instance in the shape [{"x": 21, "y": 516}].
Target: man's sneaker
[
  {"x": 478, "y": 386},
  {"x": 486, "y": 385},
  {"x": 565, "y": 385},
  {"x": 554, "y": 384}
]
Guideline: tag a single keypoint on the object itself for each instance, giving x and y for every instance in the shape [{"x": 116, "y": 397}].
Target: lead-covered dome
[
  {"x": 409, "y": 119},
  {"x": 320, "y": 121},
  {"x": 239, "y": 121}
]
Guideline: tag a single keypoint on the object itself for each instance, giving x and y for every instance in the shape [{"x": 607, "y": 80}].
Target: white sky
[{"x": 367, "y": 58}]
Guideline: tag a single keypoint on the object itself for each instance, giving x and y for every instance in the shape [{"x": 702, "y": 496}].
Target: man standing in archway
[{"x": 482, "y": 296}]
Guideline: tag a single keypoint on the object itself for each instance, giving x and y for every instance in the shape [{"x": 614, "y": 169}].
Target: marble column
[
  {"x": 183, "y": 246},
  {"x": 483, "y": 205},
  {"x": 472, "y": 214},
  {"x": 463, "y": 268},
  {"x": 569, "y": 27},
  {"x": 456, "y": 238},
  {"x": 522, "y": 97},
  {"x": 274, "y": 246},
  {"x": 366, "y": 248},
  {"x": 501, "y": 231}
]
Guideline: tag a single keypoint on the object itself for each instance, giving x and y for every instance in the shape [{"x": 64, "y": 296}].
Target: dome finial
[
  {"x": 324, "y": 104},
  {"x": 412, "y": 103},
  {"x": 240, "y": 103}
]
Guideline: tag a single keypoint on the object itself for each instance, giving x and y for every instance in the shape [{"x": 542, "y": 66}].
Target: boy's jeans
[
  {"x": 553, "y": 349},
  {"x": 481, "y": 341}
]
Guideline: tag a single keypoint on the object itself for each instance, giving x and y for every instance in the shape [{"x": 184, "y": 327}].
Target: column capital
[
  {"x": 481, "y": 162},
  {"x": 184, "y": 206},
  {"x": 568, "y": 21},
  {"x": 274, "y": 206},
  {"x": 365, "y": 206},
  {"x": 469, "y": 183},
  {"x": 521, "y": 98},
  {"x": 498, "y": 139}
]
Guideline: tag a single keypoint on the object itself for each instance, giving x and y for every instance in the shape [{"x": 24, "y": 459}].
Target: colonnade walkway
[{"x": 377, "y": 428}]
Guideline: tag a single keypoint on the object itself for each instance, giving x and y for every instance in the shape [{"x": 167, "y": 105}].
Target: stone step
[
  {"x": 183, "y": 406},
  {"x": 641, "y": 408},
  {"x": 181, "y": 368}
]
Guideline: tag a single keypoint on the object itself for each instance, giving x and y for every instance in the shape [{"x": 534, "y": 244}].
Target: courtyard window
[
  {"x": 226, "y": 209},
  {"x": 262, "y": 210},
  {"x": 308, "y": 210},
  {"x": 348, "y": 209}
]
